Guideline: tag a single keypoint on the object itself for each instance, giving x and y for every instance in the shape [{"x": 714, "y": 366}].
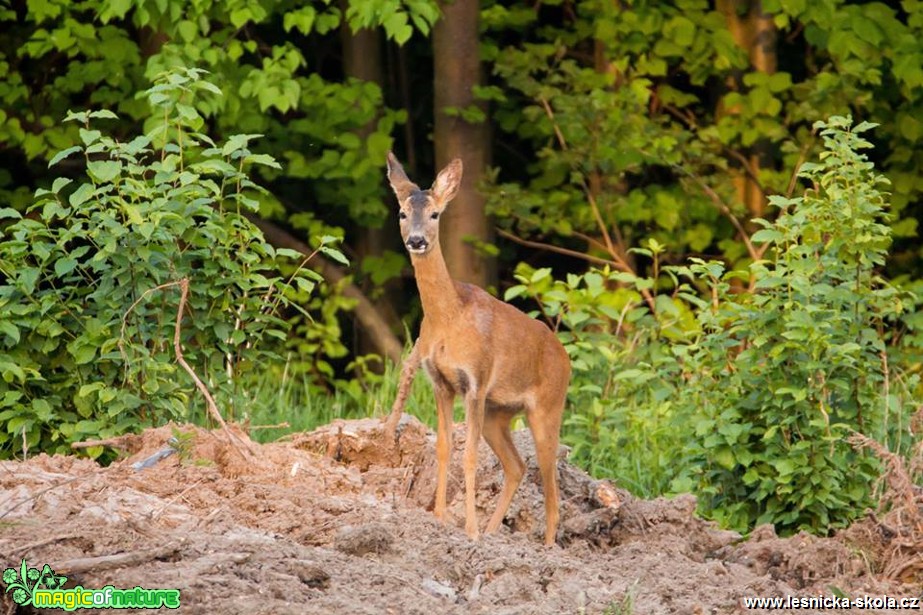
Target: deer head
[{"x": 420, "y": 209}]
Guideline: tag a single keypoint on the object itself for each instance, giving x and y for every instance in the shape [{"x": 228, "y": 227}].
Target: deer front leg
[
  {"x": 444, "y": 404},
  {"x": 474, "y": 420}
]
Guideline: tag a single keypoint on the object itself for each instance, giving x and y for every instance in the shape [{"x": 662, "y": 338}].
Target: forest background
[{"x": 715, "y": 205}]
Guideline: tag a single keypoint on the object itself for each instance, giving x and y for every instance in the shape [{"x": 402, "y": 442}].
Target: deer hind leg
[
  {"x": 444, "y": 405},
  {"x": 545, "y": 424},
  {"x": 497, "y": 434},
  {"x": 474, "y": 419},
  {"x": 408, "y": 371}
]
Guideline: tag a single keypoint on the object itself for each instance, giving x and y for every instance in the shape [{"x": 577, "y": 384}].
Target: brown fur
[{"x": 499, "y": 360}]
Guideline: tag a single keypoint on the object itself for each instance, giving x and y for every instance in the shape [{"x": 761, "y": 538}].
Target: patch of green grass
[
  {"x": 274, "y": 396},
  {"x": 625, "y": 606}
]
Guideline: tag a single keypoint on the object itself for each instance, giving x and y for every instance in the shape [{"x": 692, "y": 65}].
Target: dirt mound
[{"x": 337, "y": 521}]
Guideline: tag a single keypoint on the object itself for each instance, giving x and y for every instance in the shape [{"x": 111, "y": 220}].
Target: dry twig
[
  {"x": 239, "y": 445},
  {"x": 119, "y": 560}
]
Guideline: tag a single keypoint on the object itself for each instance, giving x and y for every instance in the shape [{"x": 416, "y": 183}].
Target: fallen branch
[
  {"x": 183, "y": 284},
  {"x": 108, "y": 562},
  {"x": 120, "y": 442},
  {"x": 408, "y": 371}
]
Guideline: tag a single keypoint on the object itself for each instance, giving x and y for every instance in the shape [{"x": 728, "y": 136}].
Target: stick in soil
[
  {"x": 108, "y": 562},
  {"x": 239, "y": 445},
  {"x": 118, "y": 442}
]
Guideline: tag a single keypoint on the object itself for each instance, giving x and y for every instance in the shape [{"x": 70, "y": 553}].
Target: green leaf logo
[{"x": 23, "y": 582}]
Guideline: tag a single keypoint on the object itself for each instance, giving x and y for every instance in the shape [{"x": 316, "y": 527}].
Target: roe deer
[{"x": 471, "y": 344}]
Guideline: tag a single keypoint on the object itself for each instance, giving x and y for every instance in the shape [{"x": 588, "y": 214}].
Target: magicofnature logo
[
  {"x": 25, "y": 581},
  {"x": 44, "y": 589}
]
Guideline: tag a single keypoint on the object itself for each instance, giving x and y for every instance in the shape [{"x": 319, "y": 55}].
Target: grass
[{"x": 274, "y": 397}]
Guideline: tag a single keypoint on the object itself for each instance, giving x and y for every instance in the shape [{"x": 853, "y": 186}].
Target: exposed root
[{"x": 900, "y": 512}]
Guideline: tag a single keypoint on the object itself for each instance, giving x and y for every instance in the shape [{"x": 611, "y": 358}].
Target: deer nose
[{"x": 416, "y": 242}]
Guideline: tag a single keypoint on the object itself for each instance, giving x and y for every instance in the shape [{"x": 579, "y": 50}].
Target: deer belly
[{"x": 442, "y": 376}]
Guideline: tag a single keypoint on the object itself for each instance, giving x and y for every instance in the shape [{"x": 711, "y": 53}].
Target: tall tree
[
  {"x": 362, "y": 60},
  {"x": 459, "y": 132}
]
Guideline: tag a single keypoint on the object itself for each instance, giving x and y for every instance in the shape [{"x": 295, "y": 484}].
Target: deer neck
[{"x": 441, "y": 302}]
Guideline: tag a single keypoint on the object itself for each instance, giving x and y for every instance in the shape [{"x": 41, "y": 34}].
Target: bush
[
  {"x": 622, "y": 400},
  {"x": 89, "y": 293},
  {"x": 782, "y": 375},
  {"x": 747, "y": 397}
]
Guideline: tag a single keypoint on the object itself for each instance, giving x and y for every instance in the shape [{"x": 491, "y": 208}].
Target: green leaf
[
  {"x": 103, "y": 114},
  {"x": 302, "y": 19},
  {"x": 133, "y": 212},
  {"x": 767, "y": 235},
  {"x": 263, "y": 159},
  {"x": 9, "y": 212},
  {"x": 724, "y": 456},
  {"x": 28, "y": 278},
  {"x": 335, "y": 255},
  {"x": 104, "y": 171},
  {"x": 82, "y": 352},
  {"x": 397, "y": 28},
  {"x": 42, "y": 409},
  {"x": 10, "y": 372},
  {"x": 64, "y": 266},
  {"x": 118, "y": 8},
  {"x": 89, "y": 137},
  {"x": 63, "y": 154},
  {"x": 289, "y": 253},
  {"x": 59, "y": 184},
  {"x": 81, "y": 194},
  {"x": 86, "y": 389},
  {"x": 188, "y": 31},
  {"x": 237, "y": 142},
  {"x": 514, "y": 291},
  {"x": 10, "y": 330},
  {"x": 240, "y": 16}
]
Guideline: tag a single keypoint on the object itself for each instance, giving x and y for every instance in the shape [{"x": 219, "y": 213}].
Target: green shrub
[
  {"x": 782, "y": 375},
  {"x": 746, "y": 396},
  {"x": 621, "y": 420},
  {"x": 88, "y": 296}
]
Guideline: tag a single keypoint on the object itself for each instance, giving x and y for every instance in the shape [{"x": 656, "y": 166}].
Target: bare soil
[{"x": 338, "y": 521}]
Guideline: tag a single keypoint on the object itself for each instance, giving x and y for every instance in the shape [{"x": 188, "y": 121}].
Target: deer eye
[
  {"x": 402, "y": 216},
  {"x": 434, "y": 215}
]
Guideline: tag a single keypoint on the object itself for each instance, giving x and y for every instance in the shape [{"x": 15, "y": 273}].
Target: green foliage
[
  {"x": 89, "y": 296},
  {"x": 648, "y": 120},
  {"x": 623, "y": 390},
  {"x": 267, "y": 57},
  {"x": 746, "y": 396},
  {"x": 781, "y": 376},
  {"x": 281, "y": 393}
]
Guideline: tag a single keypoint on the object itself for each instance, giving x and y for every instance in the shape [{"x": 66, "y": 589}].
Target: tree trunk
[
  {"x": 362, "y": 60},
  {"x": 755, "y": 32},
  {"x": 457, "y": 68}
]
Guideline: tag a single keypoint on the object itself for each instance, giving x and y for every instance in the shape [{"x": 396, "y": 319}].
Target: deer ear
[
  {"x": 400, "y": 183},
  {"x": 447, "y": 182}
]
